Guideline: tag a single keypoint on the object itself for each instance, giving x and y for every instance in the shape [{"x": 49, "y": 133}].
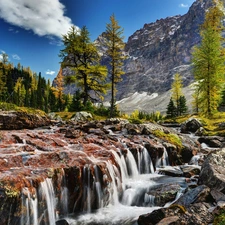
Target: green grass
[
  {"x": 220, "y": 219},
  {"x": 171, "y": 138}
]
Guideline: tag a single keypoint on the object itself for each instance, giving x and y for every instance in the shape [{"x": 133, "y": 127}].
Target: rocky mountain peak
[{"x": 157, "y": 51}]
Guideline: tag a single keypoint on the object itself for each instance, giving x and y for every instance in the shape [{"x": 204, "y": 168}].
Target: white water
[
  {"x": 163, "y": 161},
  {"x": 47, "y": 191},
  {"x": 31, "y": 203},
  {"x": 128, "y": 190},
  {"x": 127, "y": 183}
]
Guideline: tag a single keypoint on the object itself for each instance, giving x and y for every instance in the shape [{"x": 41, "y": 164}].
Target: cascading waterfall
[
  {"x": 125, "y": 181},
  {"x": 47, "y": 192},
  {"x": 31, "y": 204},
  {"x": 163, "y": 161}
]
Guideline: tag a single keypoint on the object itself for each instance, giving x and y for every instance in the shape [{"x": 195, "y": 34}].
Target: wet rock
[
  {"x": 151, "y": 218},
  {"x": 73, "y": 133},
  {"x": 169, "y": 220},
  {"x": 133, "y": 129},
  {"x": 14, "y": 120},
  {"x": 198, "y": 194},
  {"x": 173, "y": 171},
  {"x": 212, "y": 141},
  {"x": 197, "y": 214},
  {"x": 61, "y": 222},
  {"x": 217, "y": 195},
  {"x": 164, "y": 193},
  {"x": 213, "y": 171},
  {"x": 191, "y": 125},
  {"x": 190, "y": 170},
  {"x": 200, "y": 132}
]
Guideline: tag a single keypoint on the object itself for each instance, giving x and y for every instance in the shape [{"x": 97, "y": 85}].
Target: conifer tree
[
  {"x": 171, "y": 109},
  {"x": 208, "y": 60},
  {"x": 81, "y": 55},
  {"x": 3, "y": 69},
  {"x": 20, "y": 92},
  {"x": 177, "y": 91},
  {"x": 115, "y": 47},
  {"x": 182, "y": 105}
]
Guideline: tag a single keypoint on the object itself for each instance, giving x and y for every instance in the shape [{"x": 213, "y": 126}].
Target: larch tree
[
  {"x": 115, "y": 46},
  {"x": 59, "y": 90},
  {"x": 208, "y": 60},
  {"x": 82, "y": 56},
  {"x": 177, "y": 91}
]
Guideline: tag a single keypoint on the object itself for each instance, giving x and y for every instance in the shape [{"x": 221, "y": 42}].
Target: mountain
[
  {"x": 161, "y": 49},
  {"x": 155, "y": 53}
]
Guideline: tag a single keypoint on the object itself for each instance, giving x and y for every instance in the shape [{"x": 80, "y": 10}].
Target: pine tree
[
  {"x": 208, "y": 61},
  {"x": 182, "y": 105},
  {"x": 115, "y": 47},
  {"x": 76, "y": 104},
  {"x": 177, "y": 91},
  {"x": 3, "y": 70},
  {"x": 171, "y": 109},
  {"x": 81, "y": 55}
]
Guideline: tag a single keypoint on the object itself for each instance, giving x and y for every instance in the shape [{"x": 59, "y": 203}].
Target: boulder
[
  {"x": 191, "y": 125},
  {"x": 213, "y": 171},
  {"x": 212, "y": 141},
  {"x": 190, "y": 170},
  {"x": 81, "y": 116},
  {"x": 197, "y": 214},
  {"x": 198, "y": 194},
  {"x": 16, "y": 120},
  {"x": 61, "y": 222},
  {"x": 164, "y": 193},
  {"x": 173, "y": 171}
]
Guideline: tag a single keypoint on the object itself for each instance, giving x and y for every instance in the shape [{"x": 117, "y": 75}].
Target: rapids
[{"x": 130, "y": 181}]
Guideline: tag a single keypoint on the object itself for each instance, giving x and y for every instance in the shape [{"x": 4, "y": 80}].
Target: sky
[{"x": 31, "y": 30}]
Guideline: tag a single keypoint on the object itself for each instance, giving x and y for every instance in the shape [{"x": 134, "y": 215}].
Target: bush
[{"x": 153, "y": 117}]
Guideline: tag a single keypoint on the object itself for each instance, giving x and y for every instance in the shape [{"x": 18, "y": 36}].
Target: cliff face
[{"x": 157, "y": 51}]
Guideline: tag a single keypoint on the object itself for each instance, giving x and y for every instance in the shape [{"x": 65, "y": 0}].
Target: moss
[
  {"x": 135, "y": 121},
  {"x": 181, "y": 208},
  {"x": 10, "y": 191},
  {"x": 220, "y": 218},
  {"x": 171, "y": 138}
]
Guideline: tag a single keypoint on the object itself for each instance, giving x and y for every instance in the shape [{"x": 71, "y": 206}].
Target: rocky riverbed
[{"x": 51, "y": 174}]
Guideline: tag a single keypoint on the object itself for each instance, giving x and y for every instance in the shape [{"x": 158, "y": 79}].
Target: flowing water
[{"x": 126, "y": 183}]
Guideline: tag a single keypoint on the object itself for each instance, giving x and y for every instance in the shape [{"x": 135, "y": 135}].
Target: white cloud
[
  {"x": 1, "y": 51},
  {"x": 50, "y": 72},
  {"x": 43, "y": 17},
  {"x": 15, "y": 56},
  {"x": 182, "y": 5},
  {"x": 55, "y": 41},
  {"x": 13, "y": 30}
]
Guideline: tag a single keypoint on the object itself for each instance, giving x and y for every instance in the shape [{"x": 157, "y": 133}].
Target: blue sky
[{"x": 31, "y": 30}]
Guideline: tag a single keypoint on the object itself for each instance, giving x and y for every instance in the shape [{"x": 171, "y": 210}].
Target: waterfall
[
  {"x": 31, "y": 200},
  {"x": 164, "y": 160},
  {"x": 144, "y": 161},
  {"x": 149, "y": 200},
  {"x": 47, "y": 192},
  {"x": 131, "y": 164},
  {"x": 31, "y": 205},
  {"x": 122, "y": 179},
  {"x": 98, "y": 188}
]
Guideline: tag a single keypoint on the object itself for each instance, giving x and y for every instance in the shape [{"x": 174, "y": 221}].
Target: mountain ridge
[{"x": 156, "y": 52}]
